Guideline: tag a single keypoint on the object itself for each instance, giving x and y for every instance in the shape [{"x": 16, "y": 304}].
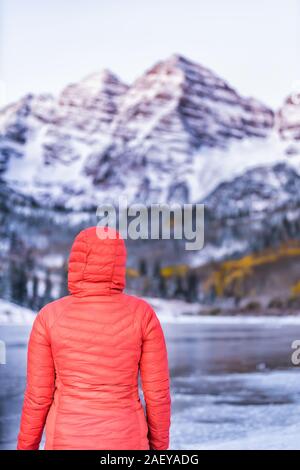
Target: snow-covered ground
[
  {"x": 275, "y": 439},
  {"x": 239, "y": 412},
  {"x": 179, "y": 311},
  {"x": 168, "y": 311},
  {"x": 13, "y": 314}
]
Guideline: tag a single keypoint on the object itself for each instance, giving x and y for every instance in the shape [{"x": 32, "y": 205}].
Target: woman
[{"x": 84, "y": 356}]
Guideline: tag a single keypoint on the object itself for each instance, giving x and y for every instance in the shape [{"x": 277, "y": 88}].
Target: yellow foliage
[
  {"x": 131, "y": 272},
  {"x": 296, "y": 289},
  {"x": 237, "y": 270},
  {"x": 167, "y": 271},
  {"x": 176, "y": 270}
]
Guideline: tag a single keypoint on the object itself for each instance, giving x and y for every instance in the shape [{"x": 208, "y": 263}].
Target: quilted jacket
[{"x": 85, "y": 353}]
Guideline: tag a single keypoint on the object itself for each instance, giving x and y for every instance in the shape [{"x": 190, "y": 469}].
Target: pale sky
[{"x": 253, "y": 44}]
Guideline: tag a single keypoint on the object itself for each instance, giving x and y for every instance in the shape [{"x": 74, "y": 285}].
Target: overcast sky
[{"x": 253, "y": 44}]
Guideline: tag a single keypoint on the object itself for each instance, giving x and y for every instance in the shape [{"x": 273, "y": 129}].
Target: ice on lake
[{"x": 233, "y": 383}]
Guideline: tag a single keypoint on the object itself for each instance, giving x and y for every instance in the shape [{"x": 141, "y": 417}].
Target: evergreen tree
[
  {"x": 18, "y": 280},
  {"x": 48, "y": 287},
  {"x": 192, "y": 284},
  {"x": 64, "y": 280},
  {"x": 143, "y": 267},
  {"x": 179, "y": 290}
]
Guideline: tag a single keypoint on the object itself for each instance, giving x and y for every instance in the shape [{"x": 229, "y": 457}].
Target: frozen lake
[{"x": 233, "y": 385}]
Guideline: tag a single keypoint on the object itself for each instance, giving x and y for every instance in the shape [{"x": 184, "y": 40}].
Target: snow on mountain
[
  {"x": 262, "y": 189},
  {"x": 44, "y": 141},
  {"x": 174, "y": 135},
  {"x": 92, "y": 103},
  {"x": 170, "y": 122},
  {"x": 288, "y": 123},
  {"x": 186, "y": 106}
]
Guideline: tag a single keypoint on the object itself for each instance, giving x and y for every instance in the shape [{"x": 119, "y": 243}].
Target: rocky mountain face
[
  {"x": 187, "y": 107},
  {"x": 258, "y": 209},
  {"x": 262, "y": 190},
  {"x": 168, "y": 119},
  {"x": 101, "y": 137},
  {"x": 179, "y": 133},
  {"x": 288, "y": 123},
  {"x": 45, "y": 141}
]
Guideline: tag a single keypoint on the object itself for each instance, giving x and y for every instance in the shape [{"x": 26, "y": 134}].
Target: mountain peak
[
  {"x": 158, "y": 131},
  {"x": 178, "y": 60},
  {"x": 191, "y": 105},
  {"x": 96, "y": 80},
  {"x": 182, "y": 61},
  {"x": 92, "y": 87},
  {"x": 288, "y": 118},
  {"x": 190, "y": 70}
]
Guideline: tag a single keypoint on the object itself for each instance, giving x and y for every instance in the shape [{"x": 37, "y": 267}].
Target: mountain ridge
[
  {"x": 177, "y": 134},
  {"x": 155, "y": 140}
]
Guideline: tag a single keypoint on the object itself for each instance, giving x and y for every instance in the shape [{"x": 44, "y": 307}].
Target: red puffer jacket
[{"x": 84, "y": 356}]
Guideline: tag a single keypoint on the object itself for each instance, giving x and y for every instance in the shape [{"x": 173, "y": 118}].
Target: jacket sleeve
[
  {"x": 155, "y": 383},
  {"x": 39, "y": 388}
]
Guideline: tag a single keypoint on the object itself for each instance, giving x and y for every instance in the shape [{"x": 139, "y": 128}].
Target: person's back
[{"x": 85, "y": 353}]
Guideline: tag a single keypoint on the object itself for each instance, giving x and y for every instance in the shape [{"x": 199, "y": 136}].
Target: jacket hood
[{"x": 97, "y": 263}]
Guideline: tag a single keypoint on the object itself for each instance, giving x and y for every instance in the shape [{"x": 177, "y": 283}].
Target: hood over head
[{"x": 97, "y": 263}]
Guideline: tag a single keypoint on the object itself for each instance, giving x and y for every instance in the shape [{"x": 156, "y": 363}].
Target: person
[{"x": 85, "y": 353}]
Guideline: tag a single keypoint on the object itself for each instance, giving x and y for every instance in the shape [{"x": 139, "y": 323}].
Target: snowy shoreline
[
  {"x": 168, "y": 311},
  {"x": 178, "y": 311},
  {"x": 13, "y": 314},
  {"x": 232, "y": 320}
]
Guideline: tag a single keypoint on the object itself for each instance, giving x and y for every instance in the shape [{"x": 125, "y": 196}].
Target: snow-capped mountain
[
  {"x": 179, "y": 133},
  {"x": 92, "y": 104},
  {"x": 173, "y": 135},
  {"x": 288, "y": 123},
  {"x": 259, "y": 190},
  {"x": 45, "y": 141},
  {"x": 179, "y": 106},
  {"x": 169, "y": 120}
]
